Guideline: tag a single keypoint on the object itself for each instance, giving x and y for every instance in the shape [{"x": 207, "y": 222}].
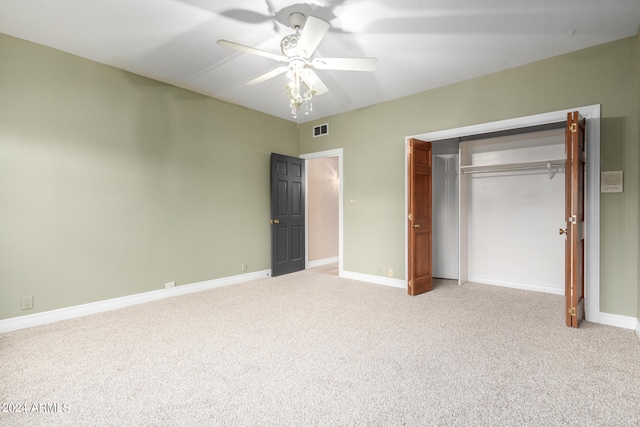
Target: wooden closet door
[
  {"x": 574, "y": 210},
  {"x": 420, "y": 268}
]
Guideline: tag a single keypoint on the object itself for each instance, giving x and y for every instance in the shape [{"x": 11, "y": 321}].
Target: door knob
[
  {"x": 416, "y": 225},
  {"x": 563, "y": 231},
  {"x": 275, "y": 221}
]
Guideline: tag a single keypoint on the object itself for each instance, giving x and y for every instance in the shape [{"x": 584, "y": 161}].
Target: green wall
[
  {"x": 112, "y": 184},
  {"x": 373, "y": 142}
]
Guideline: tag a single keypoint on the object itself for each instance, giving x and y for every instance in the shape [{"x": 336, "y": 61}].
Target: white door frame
[
  {"x": 592, "y": 185},
  {"x": 338, "y": 152}
]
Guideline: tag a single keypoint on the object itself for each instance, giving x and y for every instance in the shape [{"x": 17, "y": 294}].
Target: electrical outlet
[
  {"x": 170, "y": 285},
  {"x": 391, "y": 272},
  {"x": 27, "y": 303},
  {"x": 244, "y": 268}
]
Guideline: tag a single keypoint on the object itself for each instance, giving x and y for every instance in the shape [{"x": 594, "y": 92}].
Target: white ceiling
[{"x": 420, "y": 44}]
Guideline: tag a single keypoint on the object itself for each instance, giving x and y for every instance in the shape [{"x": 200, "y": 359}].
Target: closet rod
[{"x": 506, "y": 168}]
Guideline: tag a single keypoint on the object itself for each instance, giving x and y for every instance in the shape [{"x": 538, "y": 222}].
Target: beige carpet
[
  {"x": 332, "y": 268},
  {"x": 312, "y": 349}
]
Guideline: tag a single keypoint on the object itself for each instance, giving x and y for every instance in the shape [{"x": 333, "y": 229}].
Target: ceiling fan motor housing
[{"x": 289, "y": 45}]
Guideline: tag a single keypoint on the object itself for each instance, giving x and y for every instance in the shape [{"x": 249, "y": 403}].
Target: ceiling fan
[{"x": 297, "y": 51}]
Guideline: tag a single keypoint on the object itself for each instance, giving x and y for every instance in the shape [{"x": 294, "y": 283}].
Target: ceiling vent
[{"x": 321, "y": 130}]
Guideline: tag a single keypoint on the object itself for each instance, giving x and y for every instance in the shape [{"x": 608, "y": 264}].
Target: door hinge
[
  {"x": 408, "y": 149},
  {"x": 573, "y": 127},
  {"x": 410, "y": 217},
  {"x": 572, "y": 312},
  {"x": 411, "y": 284}
]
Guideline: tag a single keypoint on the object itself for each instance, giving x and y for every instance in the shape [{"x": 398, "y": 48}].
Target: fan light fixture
[
  {"x": 297, "y": 49},
  {"x": 297, "y": 73}
]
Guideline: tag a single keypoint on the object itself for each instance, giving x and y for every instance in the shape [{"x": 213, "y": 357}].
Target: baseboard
[
  {"x": 524, "y": 286},
  {"x": 37, "y": 319},
  {"x": 625, "y": 322},
  {"x": 321, "y": 262},
  {"x": 378, "y": 280}
]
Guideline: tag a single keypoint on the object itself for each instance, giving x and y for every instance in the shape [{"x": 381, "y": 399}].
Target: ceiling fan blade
[
  {"x": 272, "y": 14},
  {"x": 252, "y": 50},
  {"x": 311, "y": 79},
  {"x": 243, "y": 15},
  {"x": 345, "y": 64},
  {"x": 272, "y": 10},
  {"x": 312, "y": 33},
  {"x": 271, "y": 74}
]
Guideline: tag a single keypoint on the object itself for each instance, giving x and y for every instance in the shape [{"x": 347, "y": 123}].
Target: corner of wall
[{"x": 638, "y": 165}]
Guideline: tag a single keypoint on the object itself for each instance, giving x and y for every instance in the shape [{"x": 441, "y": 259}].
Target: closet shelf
[{"x": 505, "y": 167}]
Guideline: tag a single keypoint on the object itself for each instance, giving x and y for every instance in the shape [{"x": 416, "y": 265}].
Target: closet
[
  {"x": 511, "y": 207},
  {"x": 523, "y": 220}
]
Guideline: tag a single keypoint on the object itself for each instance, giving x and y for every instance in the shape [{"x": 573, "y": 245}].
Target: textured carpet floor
[{"x": 312, "y": 349}]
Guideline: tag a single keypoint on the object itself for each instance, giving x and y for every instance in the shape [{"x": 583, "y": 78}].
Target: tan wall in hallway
[{"x": 323, "y": 193}]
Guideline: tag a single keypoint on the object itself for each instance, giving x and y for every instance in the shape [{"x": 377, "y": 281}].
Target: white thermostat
[{"x": 611, "y": 182}]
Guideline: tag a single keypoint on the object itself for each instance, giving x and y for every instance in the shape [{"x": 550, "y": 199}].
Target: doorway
[
  {"x": 327, "y": 178},
  {"x": 592, "y": 203}
]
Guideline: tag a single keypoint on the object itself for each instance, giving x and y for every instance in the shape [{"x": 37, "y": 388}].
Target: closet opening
[
  {"x": 492, "y": 223},
  {"x": 512, "y": 203},
  {"x": 510, "y": 182}
]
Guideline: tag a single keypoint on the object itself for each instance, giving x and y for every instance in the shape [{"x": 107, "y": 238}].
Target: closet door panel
[
  {"x": 574, "y": 205},
  {"x": 420, "y": 274}
]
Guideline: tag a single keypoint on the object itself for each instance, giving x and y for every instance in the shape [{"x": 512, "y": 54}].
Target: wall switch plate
[
  {"x": 170, "y": 285},
  {"x": 27, "y": 303}
]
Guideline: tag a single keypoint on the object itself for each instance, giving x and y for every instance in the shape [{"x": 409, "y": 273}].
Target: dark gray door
[{"x": 287, "y": 214}]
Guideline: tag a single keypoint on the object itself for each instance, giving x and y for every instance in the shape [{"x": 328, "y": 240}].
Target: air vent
[{"x": 320, "y": 130}]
